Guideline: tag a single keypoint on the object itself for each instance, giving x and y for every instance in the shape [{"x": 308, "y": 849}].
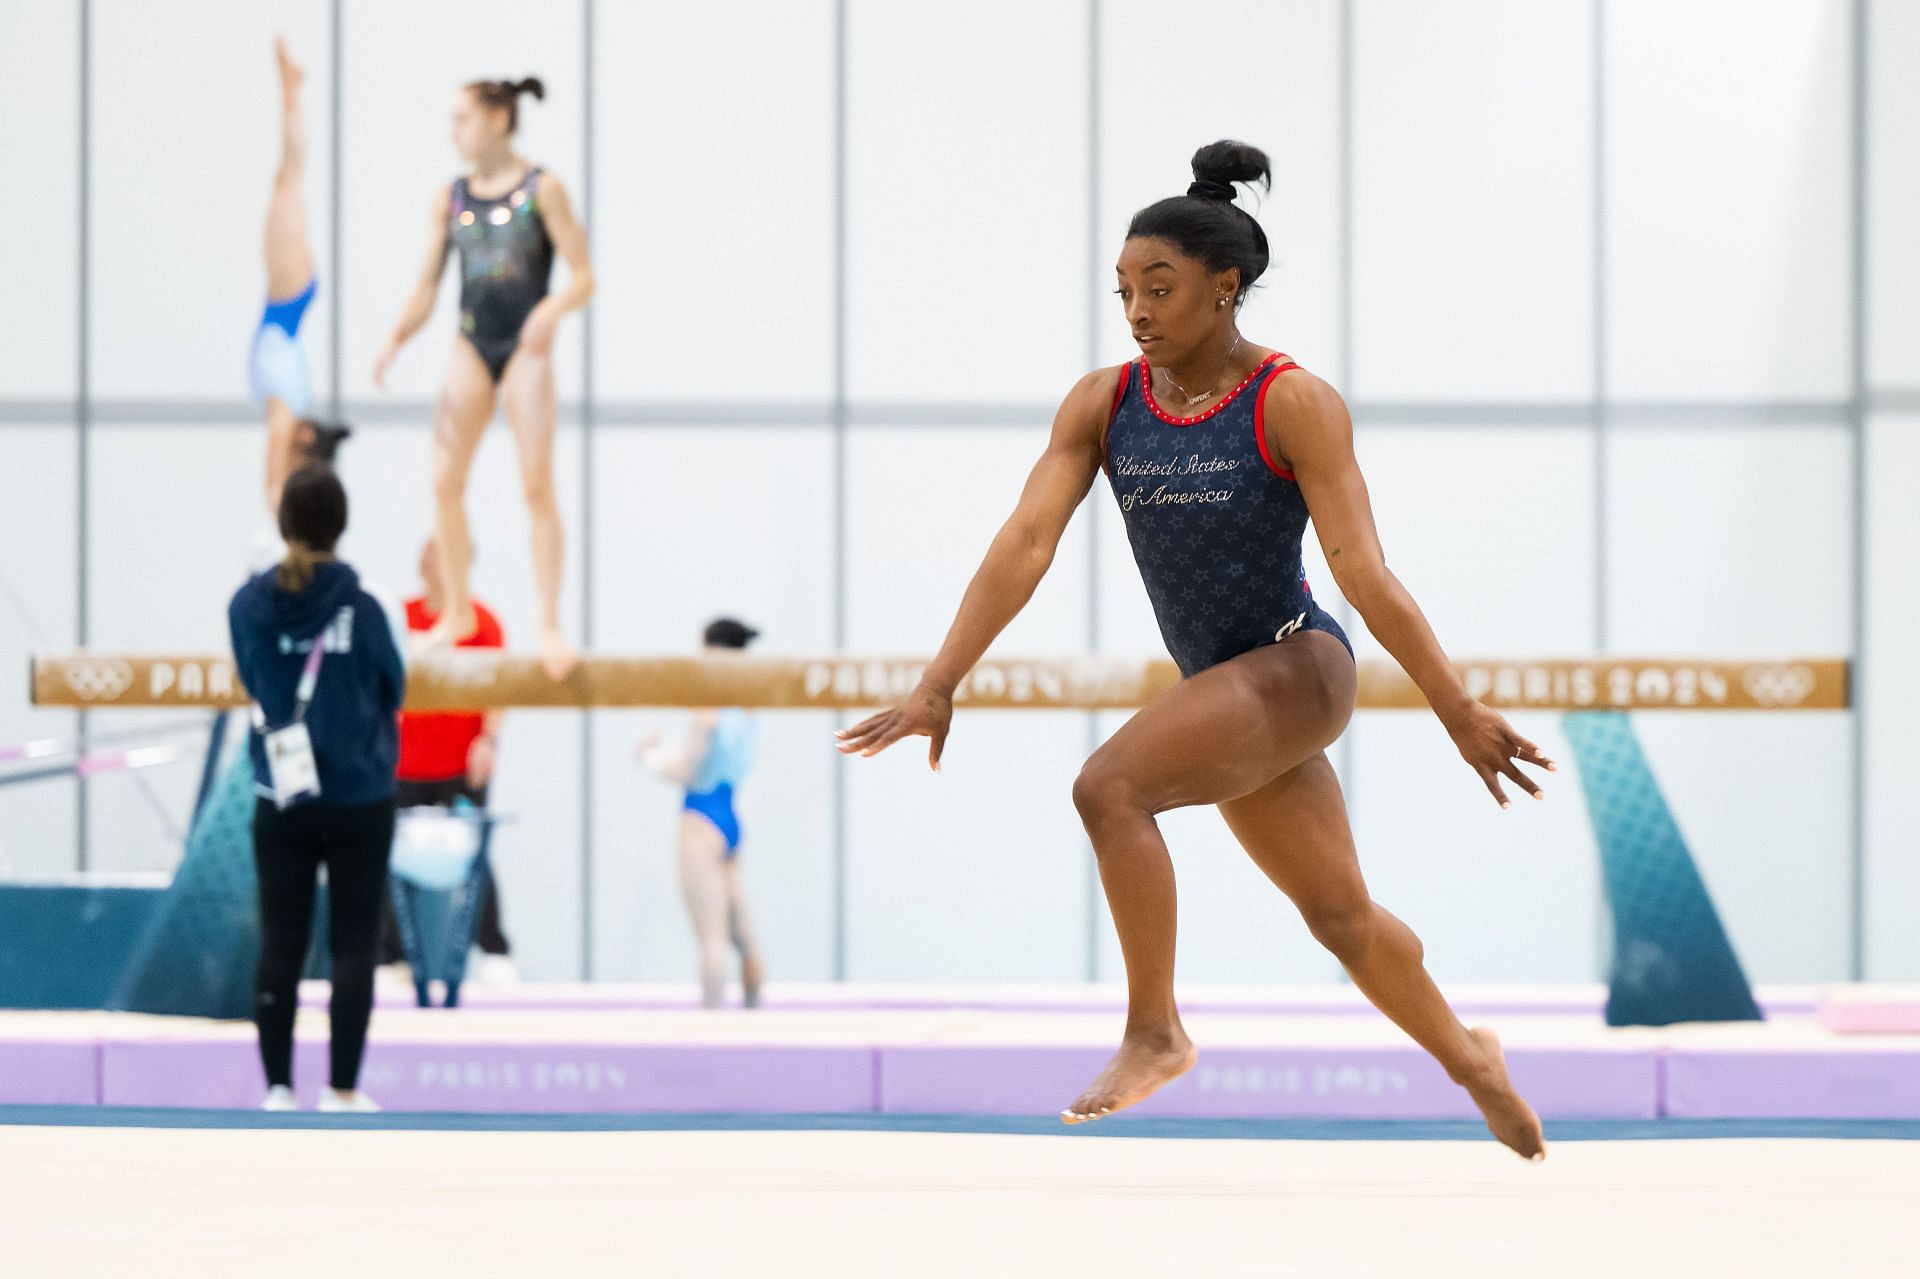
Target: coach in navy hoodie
[{"x": 275, "y": 620}]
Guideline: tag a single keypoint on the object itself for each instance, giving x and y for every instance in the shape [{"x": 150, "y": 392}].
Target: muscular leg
[
  {"x": 753, "y": 968},
  {"x": 703, "y": 883},
  {"x": 1295, "y": 829},
  {"x": 289, "y": 256},
  {"x": 528, "y": 390},
  {"x": 459, "y": 419},
  {"x": 1217, "y": 736}
]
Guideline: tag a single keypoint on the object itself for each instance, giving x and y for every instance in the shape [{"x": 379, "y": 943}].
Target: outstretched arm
[
  {"x": 1019, "y": 557},
  {"x": 1307, "y": 423},
  {"x": 420, "y": 302}
]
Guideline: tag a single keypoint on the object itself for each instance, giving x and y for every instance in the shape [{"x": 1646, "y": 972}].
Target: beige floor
[{"x": 78, "y": 1201}]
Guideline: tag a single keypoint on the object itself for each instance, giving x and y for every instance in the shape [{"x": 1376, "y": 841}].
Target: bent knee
[
  {"x": 1345, "y": 930},
  {"x": 1102, "y": 791}
]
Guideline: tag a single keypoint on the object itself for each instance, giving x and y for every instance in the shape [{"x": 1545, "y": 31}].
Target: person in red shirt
[{"x": 445, "y": 755}]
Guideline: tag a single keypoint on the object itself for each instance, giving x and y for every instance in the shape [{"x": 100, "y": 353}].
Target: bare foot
[
  {"x": 1137, "y": 1071},
  {"x": 753, "y": 974},
  {"x": 1508, "y": 1116},
  {"x": 558, "y": 656},
  {"x": 291, "y": 72}
]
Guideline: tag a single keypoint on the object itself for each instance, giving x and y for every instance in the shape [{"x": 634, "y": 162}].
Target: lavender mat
[
  {"x": 49, "y": 1072},
  {"x": 1298, "y": 1081},
  {"x": 509, "y": 1077},
  {"x": 1809, "y": 1083}
]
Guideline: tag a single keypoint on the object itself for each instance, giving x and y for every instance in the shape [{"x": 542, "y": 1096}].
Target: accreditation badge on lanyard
[{"x": 290, "y": 763}]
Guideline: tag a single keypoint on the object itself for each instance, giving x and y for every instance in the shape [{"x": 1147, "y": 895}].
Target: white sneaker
[
  {"x": 354, "y": 1103},
  {"x": 280, "y": 1097},
  {"x": 496, "y": 970}
]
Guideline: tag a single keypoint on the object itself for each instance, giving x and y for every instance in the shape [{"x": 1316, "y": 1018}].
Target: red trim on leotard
[
  {"x": 1119, "y": 394},
  {"x": 1260, "y": 421},
  {"x": 1146, "y": 386}
]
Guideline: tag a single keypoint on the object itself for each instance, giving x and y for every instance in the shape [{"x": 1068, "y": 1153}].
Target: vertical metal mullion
[
  {"x": 1857, "y": 421},
  {"x": 1349, "y": 754},
  {"x": 83, "y": 421},
  {"x": 1093, "y": 891},
  {"x": 839, "y": 420},
  {"x": 587, "y": 191}
]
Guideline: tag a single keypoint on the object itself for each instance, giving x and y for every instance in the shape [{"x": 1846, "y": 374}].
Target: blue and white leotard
[
  {"x": 730, "y": 753},
  {"x": 277, "y": 365}
]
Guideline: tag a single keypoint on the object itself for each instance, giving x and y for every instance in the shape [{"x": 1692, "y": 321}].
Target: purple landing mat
[
  {"x": 49, "y": 1072},
  {"x": 1300, "y": 1081},
  {"x": 1808, "y": 1083},
  {"x": 516, "y": 1078},
  {"x": 1305, "y": 1002}
]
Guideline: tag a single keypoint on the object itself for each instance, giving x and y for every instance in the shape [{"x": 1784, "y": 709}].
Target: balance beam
[{"x": 469, "y": 679}]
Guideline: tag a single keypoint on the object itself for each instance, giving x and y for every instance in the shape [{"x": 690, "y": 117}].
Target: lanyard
[{"x": 309, "y": 674}]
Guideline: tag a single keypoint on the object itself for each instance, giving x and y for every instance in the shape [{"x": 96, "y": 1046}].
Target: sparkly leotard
[{"x": 506, "y": 258}]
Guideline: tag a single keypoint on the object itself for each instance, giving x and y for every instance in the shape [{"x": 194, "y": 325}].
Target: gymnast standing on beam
[
  {"x": 506, "y": 218},
  {"x": 1218, "y": 450}
]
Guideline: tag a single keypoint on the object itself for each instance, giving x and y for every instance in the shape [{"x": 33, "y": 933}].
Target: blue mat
[{"x": 1042, "y": 1125}]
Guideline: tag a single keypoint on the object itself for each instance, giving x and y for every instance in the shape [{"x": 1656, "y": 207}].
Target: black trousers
[
  {"x": 355, "y": 844},
  {"x": 487, "y": 933}
]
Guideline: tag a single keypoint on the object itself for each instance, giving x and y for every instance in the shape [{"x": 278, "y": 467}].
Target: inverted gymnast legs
[{"x": 280, "y": 379}]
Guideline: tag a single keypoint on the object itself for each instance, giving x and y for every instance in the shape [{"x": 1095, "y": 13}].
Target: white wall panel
[
  {"x": 1473, "y": 199},
  {"x": 967, "y": 200},
  {"x": 1893, "y": 194},
  {"x": 717, "y": 253},
  {"x": 1888, "y": 690},
  {"x": 1727, "y": 191},
  {"x": 40, "y": 136},
  {"x": 37, "y": 615}
]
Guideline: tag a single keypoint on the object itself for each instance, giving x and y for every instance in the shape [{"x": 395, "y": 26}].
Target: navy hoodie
[{"x": 363, "y": 676}]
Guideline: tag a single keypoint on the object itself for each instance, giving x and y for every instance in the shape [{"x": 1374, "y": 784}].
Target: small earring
[{"x": 1217, "y": 305}]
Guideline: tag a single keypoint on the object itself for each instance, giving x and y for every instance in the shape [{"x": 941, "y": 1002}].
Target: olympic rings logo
[
  {"x": 97, "y": 679},
  {"x": 1778, "y": 685}
]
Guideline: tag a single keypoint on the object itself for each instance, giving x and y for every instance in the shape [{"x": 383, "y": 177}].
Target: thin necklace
[{"x": 1195, "y": 399}]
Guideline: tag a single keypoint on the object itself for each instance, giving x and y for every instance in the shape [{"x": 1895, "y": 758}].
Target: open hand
[
  {"x": 924, "y": 712},
  {"x": 383, "y": 362},
  {"x": 1492, "y": 749}
]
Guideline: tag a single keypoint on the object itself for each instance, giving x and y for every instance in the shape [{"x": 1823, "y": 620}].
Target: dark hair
[
  {"x": 1205, "y": 223},
  {"x": 725, "y": 632},
  {"x": 326, "y": 439},
  {"x": 505, "y": 94},
  {"x": 313, "y": 515}
]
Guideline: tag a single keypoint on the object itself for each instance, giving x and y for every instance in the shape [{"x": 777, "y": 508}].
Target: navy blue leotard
[{"x": 1214, "y": 521}]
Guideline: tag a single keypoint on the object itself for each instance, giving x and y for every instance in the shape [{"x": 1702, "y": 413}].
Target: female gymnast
[
  {"x": 507, "y": 218},
  {"x": 277, "y": 372},
  {"x": 719, "y": 751},
  {"x": 1217, "y": 450}
]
